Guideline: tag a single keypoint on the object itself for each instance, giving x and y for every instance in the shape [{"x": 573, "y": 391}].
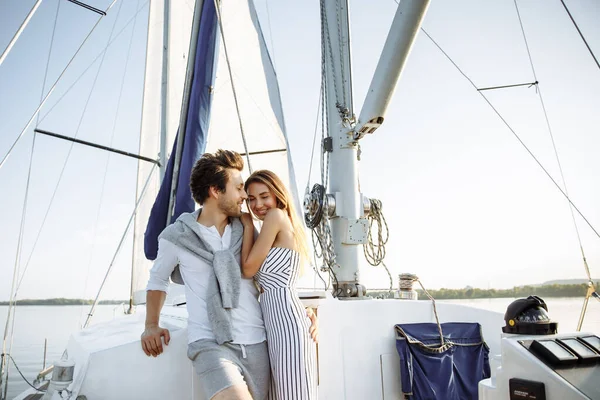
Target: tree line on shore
[
  {"x": 62, "y": 302},
  {"x": 555, "y": 290}
]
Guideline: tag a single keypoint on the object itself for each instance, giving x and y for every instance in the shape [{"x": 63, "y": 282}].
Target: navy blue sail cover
[
  {"x": 194, "y": 142},
  {"x": 431, "y": 371}
]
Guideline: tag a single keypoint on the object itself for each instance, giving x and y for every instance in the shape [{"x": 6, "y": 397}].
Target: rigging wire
[
  {"x": 53, "y": 87},
  {"x": 312, "y": 153},
  {"x": 271, "y": 34},
  {"x": 91, "y": 64},
  {"x": 19, "y": 31},
  {"x": 321, "y": 235},
  {"x": 580, "y": 34},
  {"x": 514, "y": 134},
  {"x": 108, "y": 157},
  {"x": 307, "y": 190},
  {"x": 237, "y": 106},
  {"x": 119, "y": 246},
  {"x": 13, "y": 300},
  {"x": 562, "y": 176},
  {"x": 101, "y": 54}
]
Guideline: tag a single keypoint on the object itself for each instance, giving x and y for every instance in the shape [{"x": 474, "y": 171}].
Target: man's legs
[
  {"x": 231, "y": 371},
  {"x": 235, "y": 392}
]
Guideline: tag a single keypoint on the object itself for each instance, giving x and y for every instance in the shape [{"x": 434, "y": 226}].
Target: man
[{"x": 226, "y": 333}]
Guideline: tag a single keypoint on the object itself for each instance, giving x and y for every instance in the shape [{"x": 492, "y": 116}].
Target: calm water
[{"x": 33, "y": 324}]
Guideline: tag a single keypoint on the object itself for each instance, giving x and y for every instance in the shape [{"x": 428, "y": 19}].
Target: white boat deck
[{"x": 357, "y": 357}]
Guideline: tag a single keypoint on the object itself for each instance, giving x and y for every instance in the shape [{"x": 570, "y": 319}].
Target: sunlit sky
[{"x": 464, "y": 201}]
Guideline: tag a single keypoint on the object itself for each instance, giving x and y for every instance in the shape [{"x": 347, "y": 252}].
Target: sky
[{"x": 464, "y": 201}]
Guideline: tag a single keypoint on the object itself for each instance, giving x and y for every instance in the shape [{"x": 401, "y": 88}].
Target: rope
[
  {"x": 52, "y": 88},
  {"x": 437, "y": 319},
  {"x": 375, "y": 249},
  {"x": 20, "y": 373},
  {"x": 237, "y": 107},
  {"x": 318, "y": 245},
  {"x": 515, "y": 135},
  {"x": 562, "y": 176},
  {"x": 323, "y": 245},
  {"x": 406, "y": 283}
]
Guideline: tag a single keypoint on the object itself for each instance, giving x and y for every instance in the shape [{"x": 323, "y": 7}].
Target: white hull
[{"x": 357, "y": 357}]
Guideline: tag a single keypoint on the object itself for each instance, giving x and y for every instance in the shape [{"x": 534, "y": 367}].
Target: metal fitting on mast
[{"x": 345, "y": 230}]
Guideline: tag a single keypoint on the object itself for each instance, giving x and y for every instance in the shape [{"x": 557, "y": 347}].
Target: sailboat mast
[
  {"x": 349, "y": 225},
  {"x": 343, "y": 170}
]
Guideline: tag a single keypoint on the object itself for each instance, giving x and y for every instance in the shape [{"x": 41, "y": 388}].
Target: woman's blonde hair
[{"x": 285, "y": 203}]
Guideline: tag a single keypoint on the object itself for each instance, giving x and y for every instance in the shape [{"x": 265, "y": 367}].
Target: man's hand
[
  {"x": 246, "y": 220},
  {"x": 151, "y": 340},
  {"x": 314, "y": 327}
]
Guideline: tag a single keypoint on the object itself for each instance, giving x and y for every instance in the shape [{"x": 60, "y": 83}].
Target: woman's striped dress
[{"x": 291, "y": 349}]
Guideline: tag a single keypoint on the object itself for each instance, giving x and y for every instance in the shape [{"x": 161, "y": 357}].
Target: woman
[{"x": 275, "y": 259}]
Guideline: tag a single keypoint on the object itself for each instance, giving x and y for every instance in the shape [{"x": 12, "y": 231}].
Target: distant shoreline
[
  {"x": 544, "y": 291},
  {"x": 548, "y": 291},
  {"x": 63, "y": 302}
]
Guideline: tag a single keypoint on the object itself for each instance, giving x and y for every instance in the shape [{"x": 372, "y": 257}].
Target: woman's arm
[
  {"x": 255, "y": 256},
  {"x": 248, "y": 239}
]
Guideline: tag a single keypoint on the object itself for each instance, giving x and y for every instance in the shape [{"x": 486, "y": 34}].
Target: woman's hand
[
  {"x": 314, "y": 327},
  {"x": 246, "y": 220}
]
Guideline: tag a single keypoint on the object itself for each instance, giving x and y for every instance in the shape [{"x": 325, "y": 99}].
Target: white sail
[
  {"x": 257, "y": 92},
  {"x": 258, "y": 97},
  {"x": 180, "y": 22}
]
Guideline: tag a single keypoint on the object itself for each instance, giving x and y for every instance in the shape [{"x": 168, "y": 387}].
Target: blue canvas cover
[
  {"x": 431, "y": 371},
  {"x": 194, "y": 142}
]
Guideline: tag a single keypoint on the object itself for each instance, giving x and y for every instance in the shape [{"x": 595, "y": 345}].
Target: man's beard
[{"x": 230, "y": 208}]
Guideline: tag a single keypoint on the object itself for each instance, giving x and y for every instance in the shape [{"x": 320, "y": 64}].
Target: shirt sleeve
[{"x": 165, "y": 263}]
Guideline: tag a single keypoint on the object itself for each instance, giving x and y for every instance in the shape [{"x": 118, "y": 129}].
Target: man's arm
[
  {"x": 249, "y": 236},
  {"x": 151, "y": 338}
]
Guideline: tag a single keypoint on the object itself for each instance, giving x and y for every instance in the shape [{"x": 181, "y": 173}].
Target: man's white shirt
[{"x": 247, "y": 321}]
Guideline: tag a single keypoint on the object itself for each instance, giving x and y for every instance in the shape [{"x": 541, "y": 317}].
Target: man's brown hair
[{"x": 211, "y": 170}]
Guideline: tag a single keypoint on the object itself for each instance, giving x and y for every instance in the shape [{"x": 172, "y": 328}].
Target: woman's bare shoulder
[{"x": 275, "y": 214}]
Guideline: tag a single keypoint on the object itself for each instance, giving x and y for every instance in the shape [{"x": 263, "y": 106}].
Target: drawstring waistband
[{"x": 243, "y": 350}]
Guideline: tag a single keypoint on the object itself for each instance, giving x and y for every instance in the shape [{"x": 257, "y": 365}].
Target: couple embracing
[{"x": 243, "y": 344}]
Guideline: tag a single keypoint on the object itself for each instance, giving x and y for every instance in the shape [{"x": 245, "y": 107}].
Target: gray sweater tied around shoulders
[{"x": 224, "y": 285}]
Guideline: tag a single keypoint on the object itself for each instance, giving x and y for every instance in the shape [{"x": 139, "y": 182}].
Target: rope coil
[{"x": 374, "y": 248}]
